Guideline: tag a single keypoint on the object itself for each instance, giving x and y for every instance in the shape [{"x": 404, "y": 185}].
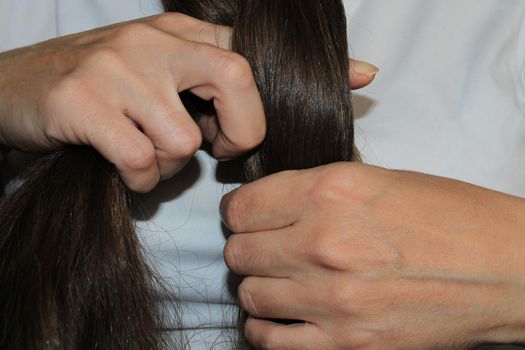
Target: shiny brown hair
[{"x": 72, "y": 272}]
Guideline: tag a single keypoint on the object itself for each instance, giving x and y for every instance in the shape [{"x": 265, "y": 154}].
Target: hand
[
  {"x": 116, "y": 89},
  {"x": 361, "y": 74},
  {"x": 371, "y": 258}
]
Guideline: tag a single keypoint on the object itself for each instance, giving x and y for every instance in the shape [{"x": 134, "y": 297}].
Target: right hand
[{"x": 116, "y": 89}]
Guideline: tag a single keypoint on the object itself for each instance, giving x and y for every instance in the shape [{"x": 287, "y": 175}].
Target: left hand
[{"x": 371, "y": 258}]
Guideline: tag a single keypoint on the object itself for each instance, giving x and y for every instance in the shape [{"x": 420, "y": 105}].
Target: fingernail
[{"x": 364, "y": 68}]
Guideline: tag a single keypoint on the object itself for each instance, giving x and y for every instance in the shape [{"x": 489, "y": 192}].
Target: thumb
[{"x": 361, "y": 73}]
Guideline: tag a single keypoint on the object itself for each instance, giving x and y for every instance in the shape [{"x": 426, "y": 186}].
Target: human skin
[
  {"x": 116, "y": 89},
  {"x": 372, "y": 258}
]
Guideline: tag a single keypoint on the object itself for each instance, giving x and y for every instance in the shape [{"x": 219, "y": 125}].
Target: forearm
[
  {"x": 26, "y": 75},
  {"x": 478, "y": 239}
]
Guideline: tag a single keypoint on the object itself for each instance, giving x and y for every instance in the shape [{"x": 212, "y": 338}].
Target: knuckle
[
  {"x": 171, "y": 19},
  {"x": 134, "y": 32},
  {"x": 334, "y": 188},
  {"x": 258, "y": 137},
  {"x": 269, "y": 339},
  {"x": 231, "y": 250},
  {"x": 187, "y": 140},
  {"x": 65, "y": 92},
  {"x": 242, "y": 143},
  {"x": 144, "y": 185},
  {"x": 246, "y": 297},
  {"x": 234, "y": 70},
  {"x": 138, "y": 158},
  {"x": 232, "y": 215},
  {"x": 330, "y": 251},
  {"x": 250, "y": 331},
  {"x": 328, "y": 186},
  {"x": 104, "y": 58},
  {"x": 182, "y": 137}
]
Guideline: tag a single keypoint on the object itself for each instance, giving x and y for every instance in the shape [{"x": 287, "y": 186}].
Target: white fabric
[
  {"x": 449, "y": 100},
  {"x": 450, "y": 97}
]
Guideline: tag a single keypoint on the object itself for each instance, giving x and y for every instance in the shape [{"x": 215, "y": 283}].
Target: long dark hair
[{"x": 72, "y": 273}]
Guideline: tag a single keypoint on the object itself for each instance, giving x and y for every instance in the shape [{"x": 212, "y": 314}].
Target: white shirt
[{"x": 449, "y": 100}]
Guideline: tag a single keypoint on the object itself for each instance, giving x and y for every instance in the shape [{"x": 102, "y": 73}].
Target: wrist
[{"x": 507, "y": 323}]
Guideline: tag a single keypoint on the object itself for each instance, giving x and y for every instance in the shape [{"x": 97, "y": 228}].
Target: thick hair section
[
  {"x": 72, "y": 275},
  {"x": 299, "y": 55}
]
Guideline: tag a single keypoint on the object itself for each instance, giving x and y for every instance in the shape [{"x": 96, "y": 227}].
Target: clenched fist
[
  {"x": 373, "y": 259},
  {"x": 117, "y": 89}
]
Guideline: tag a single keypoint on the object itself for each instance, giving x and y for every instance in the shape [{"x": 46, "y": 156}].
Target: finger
[
  {"x": 275, "y": 298},
  {"x": 209, "y": 127},
  {"x": 358, "y": 81},
  {"x": 213, "y": 73},
  {"x": 122, "y": 144},
  {"x": 263, "y": 254},
  {"x": 164, "y": 120},
  {"x": 269, "y": 203},
  {"x": 192, "y": 29},
  {"x": 227, "y": 79},
  {"x": 265, "y": 334},
  {"x": 361, "y": 73}
]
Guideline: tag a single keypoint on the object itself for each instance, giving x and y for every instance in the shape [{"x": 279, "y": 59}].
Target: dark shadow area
[
  {"x": 15, "y": 163},
  {"x": 362, "y": 105},
  {"x": 230, "y": 172},
  {"x": 13, "y": 166},
  {"x": 146, "y": 205}
]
